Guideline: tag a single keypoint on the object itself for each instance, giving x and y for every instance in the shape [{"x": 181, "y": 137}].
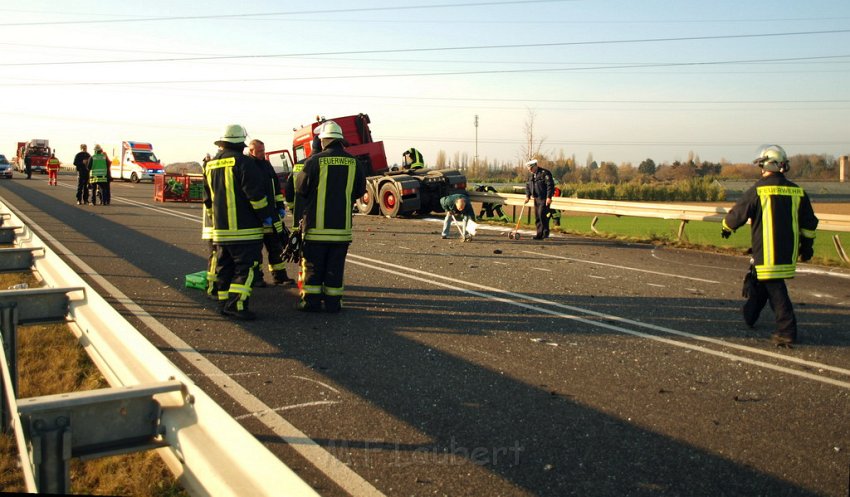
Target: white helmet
[
  {"x": 772, "y": 158},
  {"x": 233, "y": 133},
  {"x": 531, "y": 163},
  {"x": 331, "y": 130}
]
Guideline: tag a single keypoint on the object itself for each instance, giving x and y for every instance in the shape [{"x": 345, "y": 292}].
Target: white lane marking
[
  {"x": 332, "y": 467},
  {"x": 332, "y": 389},
  {"x": 627, "y": 268},
  {"x": 500, "y": 263},
  {"x": 260, "y": 414},
  {"x": 456, "y": 284},
  {"x": 804, "y": 269},
  {"x": 248, "y": 373},
  {"x": 657, "y": 285},
  {"x": 823, "y": 296},
  {"x": 161, "y": 210},
  {"x": 669, "y": 261},
  {"x": 596, "y": 277},
  {"x": 542, "y": 269}
]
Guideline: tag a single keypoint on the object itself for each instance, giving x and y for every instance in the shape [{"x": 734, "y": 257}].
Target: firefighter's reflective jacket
[
  {"x": 291, "y": 203},
  {"x": 273, "y": 194},
  {"x": 782, "y": 218},
  {"x": 328, "y": 186},
  {"x": 99, "y": 168},
  {"x": 235, "y": 190}
]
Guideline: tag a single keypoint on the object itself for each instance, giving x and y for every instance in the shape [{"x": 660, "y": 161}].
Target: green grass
[{"x": 697, "y": 233}]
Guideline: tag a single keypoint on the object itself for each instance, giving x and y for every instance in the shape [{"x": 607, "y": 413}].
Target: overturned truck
[{"x": 390, "y": 193}]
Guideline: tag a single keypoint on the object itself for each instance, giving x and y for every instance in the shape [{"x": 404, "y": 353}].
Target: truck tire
[
  {"x": 134, "y": 178},
  {"x": 367, "y": 204},
  {"x": 390, "y": 200}
]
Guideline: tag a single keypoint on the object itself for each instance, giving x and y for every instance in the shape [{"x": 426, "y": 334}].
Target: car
[{"x": 5, "y": 167}]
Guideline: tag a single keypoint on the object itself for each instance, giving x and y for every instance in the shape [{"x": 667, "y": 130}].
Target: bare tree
[
  {"x": 533, "y": 144},
  {"x": 441, "y": 160}
]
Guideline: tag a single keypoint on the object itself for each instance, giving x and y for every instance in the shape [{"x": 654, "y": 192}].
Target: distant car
[{"x": 5, "y": 167}]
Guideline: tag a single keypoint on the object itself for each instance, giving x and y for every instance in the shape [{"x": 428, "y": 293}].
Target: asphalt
[{"x": 570, "y": 366}]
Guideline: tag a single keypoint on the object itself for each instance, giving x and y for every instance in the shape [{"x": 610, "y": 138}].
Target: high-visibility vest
[
  {"x": 99, "y": 168},
  {"x": 53, "y": 164}
]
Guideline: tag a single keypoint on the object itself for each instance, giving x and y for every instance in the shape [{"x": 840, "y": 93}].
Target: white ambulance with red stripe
[{"x": 136, "y": 162}]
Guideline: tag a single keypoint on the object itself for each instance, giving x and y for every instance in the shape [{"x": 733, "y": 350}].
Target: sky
[{"x": 607, "y": 80}]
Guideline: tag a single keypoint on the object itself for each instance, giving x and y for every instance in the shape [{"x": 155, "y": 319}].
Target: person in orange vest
[{"x": 52, "y": 168}]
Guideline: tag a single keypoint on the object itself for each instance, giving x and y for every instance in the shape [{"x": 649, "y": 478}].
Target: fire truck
[
  {"x": 38, "y": 150},
  {"x": 390, "y": 193}
]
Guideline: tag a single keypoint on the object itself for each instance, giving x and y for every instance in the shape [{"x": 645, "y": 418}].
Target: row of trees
[{"x": 566, "y": 170}]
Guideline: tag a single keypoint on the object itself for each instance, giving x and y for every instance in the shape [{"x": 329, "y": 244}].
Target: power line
[
  {"x": 248, "y": 16},
  {"x": 408, "y": 75},
  {"x": 439, "y": 49}
]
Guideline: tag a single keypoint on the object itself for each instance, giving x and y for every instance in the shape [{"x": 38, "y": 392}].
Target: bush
[{"x": 693, "y": 190}]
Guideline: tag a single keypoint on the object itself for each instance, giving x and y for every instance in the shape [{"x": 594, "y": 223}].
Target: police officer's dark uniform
[
  {"x": 541, "y": 187},
  {"x": 783, "y": 228},
  {"x": 328, "y": 186},
  {"x": 81, "y": 163},
  {"x": 235, "y": 190}
]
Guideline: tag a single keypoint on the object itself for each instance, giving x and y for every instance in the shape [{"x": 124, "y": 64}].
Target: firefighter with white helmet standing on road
[
  {"x": 329, "y": 184},
  {"x": 235, "y": 190},
  {"x": 783, "y": 228}
]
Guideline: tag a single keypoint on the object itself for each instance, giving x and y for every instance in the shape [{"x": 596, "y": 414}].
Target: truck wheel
[
  {"x": 367, "y": 204},
  {"x": 134, "y": 178},
  {"x": 390, "y": 200}
]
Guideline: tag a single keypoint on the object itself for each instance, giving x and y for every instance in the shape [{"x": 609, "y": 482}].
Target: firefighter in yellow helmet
[
  {"x": 412, "y": 159},
  {"x": 235, "y": 190},
  {"x": 328, "y": 185}
]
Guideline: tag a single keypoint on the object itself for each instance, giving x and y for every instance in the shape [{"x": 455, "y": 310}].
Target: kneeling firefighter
[
  {"x": 235, "y": 190},
  {"x": 328, "y": 185}
]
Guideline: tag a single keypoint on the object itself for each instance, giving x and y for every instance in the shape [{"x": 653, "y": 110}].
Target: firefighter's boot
[{"x": 237, "y": 308}]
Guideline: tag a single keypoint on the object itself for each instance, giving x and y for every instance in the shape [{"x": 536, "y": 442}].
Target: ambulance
[{"x": 136, "y": 162}]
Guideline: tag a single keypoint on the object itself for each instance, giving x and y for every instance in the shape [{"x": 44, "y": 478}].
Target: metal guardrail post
[
  {"x": 17, "y": 259},
  {"x": 90, "y": 424},
  {"x": 7, "y": 234},
  {"x": 9, "y": 330}
]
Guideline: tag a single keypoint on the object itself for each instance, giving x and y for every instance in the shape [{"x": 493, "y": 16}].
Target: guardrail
[
  {"x": 209, "y": 452},
  {"x": 679, "y": 212}
]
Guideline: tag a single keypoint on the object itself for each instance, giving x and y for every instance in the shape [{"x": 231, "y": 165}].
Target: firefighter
[
  {"x": 412, "y": 159},
  {"x": 491, "y": 209},
  {"x": 271, "y": 235},
  {"x": 53, "y": 165},
  {"x": 81, "y": 162},
  {"x": 207, "y": 234},
  {"x": 99, "y": 176},
  {"x": 783, "y": 228},
  {"x": 235, "y": 190},
  {"x": 328, "y": 186},
  {"x": 541, "y": 187}
]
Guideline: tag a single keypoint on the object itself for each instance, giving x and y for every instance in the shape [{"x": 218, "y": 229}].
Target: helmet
[
  {"x": 531, "y": 163},
  {"x": 233, "y": 133},
  {"x": 772, "y": 158},
  {"x": 331, "y": 130}
]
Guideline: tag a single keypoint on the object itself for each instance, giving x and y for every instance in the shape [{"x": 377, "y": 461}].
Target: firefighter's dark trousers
[
  {"x": 541, "y": 213},
  {"x": 321, "y": 278},
  {"x": 236, "y": 264},
  {"x": 83, "y": 187},
  {"x": 274, "y": 247},
  {"x": 775, "y": 292}
]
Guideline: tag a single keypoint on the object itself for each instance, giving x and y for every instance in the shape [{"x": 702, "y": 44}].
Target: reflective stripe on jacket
[
  {"x": 235, "y": 190},
  {"x": 329, "y": 184},
  {"x": 781, "y": 213}
]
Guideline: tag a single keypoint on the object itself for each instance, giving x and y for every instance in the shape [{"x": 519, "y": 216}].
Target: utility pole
[{"x": 476, "y": 142}]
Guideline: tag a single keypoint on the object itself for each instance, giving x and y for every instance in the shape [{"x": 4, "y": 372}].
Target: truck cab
[{"x": 136, "y": 162}]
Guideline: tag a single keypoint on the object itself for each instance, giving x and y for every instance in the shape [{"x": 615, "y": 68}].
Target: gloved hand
[
  {"x": 725, "y": 233},
  {"x": 281, "y": 212},
  {"x": 267, "y": 221},
  {"x": 807, "y": 249}
]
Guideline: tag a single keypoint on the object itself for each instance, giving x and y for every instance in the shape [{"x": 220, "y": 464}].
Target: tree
[
  {"x": 647, "y": 167},
  {"x": 533, "y": 144},
  {"x": 440, "y": 163}
]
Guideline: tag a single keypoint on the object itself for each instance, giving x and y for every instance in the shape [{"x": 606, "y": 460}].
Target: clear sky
[{"x": 622, "y": 80}]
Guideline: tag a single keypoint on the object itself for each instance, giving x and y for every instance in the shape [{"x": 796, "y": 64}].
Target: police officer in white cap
[
  {"x": 235, "y": 190},
  {"x": 541, "y": 187}
]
